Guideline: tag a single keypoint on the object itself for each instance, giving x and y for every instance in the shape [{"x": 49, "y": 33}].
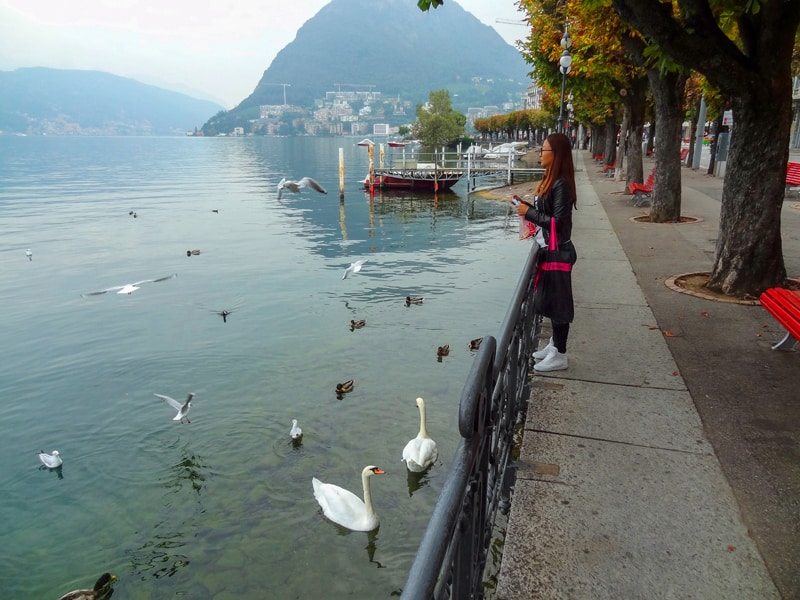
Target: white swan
[
  {"x": 421, "y": 452},
  {"x": 344, "y": 507},
  {"x": 51, "y": 461}
]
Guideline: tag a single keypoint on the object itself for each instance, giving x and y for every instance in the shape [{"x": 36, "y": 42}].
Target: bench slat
[{"x": 784, "y": 306}]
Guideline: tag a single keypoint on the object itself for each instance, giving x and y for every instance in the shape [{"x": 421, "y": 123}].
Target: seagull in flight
[
  {"x": 354, "y": 267},
  {"x": 183, "y": 409},
  {"x": 296, "y": 185},
  {"x": 129, "y": 288}
]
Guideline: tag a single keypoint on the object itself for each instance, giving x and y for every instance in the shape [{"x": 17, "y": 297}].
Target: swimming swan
[
  {"x": 421, "y": 452},
  {"x": 344, "y": 507}
]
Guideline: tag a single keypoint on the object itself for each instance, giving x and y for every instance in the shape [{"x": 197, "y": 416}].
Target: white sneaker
[
  {"x": 556, "y": 361},
  {"x": 544, "y": 352}
]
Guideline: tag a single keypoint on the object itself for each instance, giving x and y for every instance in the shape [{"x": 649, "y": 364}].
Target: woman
[{"x": 555, "y": 197}]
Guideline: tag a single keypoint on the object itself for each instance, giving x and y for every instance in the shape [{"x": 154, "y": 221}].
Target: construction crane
[
  {"x": 285, "y": 85},
  {"x": 511, "y": 22}
]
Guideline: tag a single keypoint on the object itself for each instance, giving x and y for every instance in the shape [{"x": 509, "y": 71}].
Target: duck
[
  {"x": 296, "y": 433},
  {"x": 475, "y": 344},
  {"x": 357, "y": 324},
  {"x": 421, "y": 452},
  {"x": 101, "y": 589},
  {"x": 443, "y": 350},
  {"x": 410, "y": 300},
  {"x": 190, "y": 252},
  {"x": 347, "y": 386},
  {"x": 183, "y": 409},
  {"x": 52, "y": 460},
  {"x": 343, "y": 507}
]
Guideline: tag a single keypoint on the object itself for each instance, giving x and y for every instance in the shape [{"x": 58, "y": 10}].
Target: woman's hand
[{"x": 522, "y": 208}]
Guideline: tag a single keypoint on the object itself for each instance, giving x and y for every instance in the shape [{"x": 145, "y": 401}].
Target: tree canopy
[{"x": 437, "y": 123}]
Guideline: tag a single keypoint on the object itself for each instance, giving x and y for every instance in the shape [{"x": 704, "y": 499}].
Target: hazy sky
[{"x": 212, "y": 50}]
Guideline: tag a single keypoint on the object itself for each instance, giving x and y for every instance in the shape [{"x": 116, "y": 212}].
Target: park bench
[
  {"x": 684, "y": 154},
  {"x": 792, "y": 177},
  {"x": 642, "y": 192},
  {"x": 784, "y": 305},
  {"x": 598, "y": 157},
  {"x": 609, "y": 169}
]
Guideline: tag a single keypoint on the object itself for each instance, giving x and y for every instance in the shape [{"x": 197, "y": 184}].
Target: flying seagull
[
  {"x": 354, "y": 267},
  {"x": 183, "y": 409},
  {"x": 296, "y": 185},
  {"x": 129, "y": 288}
]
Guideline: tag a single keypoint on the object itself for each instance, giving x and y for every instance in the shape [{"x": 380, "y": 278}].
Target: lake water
[{"x": 223, "y": 507}]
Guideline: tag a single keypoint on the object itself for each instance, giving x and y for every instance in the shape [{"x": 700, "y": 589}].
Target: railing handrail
[{"x": 451, "y": 557}]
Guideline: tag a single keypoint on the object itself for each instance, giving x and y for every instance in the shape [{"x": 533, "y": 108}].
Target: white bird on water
[
  {"x": 296, "y": 433},
  {"x": 29, "y": 254},
  {"x": 354, "y": 267},
  {"x": 296, "y": 185},
  {"x": 51, "y": 461},
  {"x": 421, "y": 452},
  {"x": 129, "y": 288},
  {"x": 183, "y": 409},
  {"x": 345, "y": 508}
]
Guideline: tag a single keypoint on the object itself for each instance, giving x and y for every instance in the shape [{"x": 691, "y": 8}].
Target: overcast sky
[{"x": 212, "y": 50}]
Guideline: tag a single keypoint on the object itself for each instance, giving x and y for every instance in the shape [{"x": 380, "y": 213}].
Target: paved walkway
[{"x": 659, "y": 466}]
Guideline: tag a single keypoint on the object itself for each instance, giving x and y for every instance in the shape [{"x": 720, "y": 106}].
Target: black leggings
[{"x": 560, "y": 334}]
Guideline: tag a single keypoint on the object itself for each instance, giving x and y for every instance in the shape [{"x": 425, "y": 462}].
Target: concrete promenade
[{"x": 665, "y": 462}]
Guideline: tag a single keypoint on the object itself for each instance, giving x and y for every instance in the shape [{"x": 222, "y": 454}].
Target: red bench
[
  {"x": 612, "y": 167},
  {"x": 684, "y": 154},
  {"x": 642, "y": 191},
  {"x": 784, "y": 305},
  {"x": 792, "y": 176}
]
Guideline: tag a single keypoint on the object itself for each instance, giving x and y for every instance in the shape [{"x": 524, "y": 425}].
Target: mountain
[
  {"x": 53, "y": 101},
  {"x": 393, "y": 47}
]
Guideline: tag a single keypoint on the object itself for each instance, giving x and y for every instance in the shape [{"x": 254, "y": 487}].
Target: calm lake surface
[{"x": 223, "y": 507}]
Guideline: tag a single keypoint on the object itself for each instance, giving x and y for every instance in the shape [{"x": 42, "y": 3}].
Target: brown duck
[{"x": 343, "y": 388}]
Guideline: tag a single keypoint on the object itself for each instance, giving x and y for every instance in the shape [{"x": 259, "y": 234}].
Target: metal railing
[{"x": 451, "y": 559}]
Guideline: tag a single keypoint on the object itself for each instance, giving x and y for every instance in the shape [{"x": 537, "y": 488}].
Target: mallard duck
[
  {"x": 347, "y": 386},
  {"x": 443, "y": 350},
  {"x": 475, "y": 344},
  {"x": 190, "y": 252},
  {"x": 357, "y": 324},
  {"x": 410, "y": 300},
  {"x": 343, "y": 507},
  {"x": 101, "y": 589}
]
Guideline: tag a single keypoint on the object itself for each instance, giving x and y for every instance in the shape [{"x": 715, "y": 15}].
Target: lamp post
[{"x": 564, "y": 64}]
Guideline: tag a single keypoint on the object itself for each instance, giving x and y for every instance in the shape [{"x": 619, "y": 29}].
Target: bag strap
[{"x": 552, "y": 243}]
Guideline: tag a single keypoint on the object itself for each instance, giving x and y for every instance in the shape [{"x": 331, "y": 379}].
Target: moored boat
[{"x": 419, "y": 179}]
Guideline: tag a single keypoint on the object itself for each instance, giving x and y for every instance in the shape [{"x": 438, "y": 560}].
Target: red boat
[{"x": 419, "y": 179}]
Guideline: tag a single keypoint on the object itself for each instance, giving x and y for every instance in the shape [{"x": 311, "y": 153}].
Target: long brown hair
[{"x": 562, "y": 166}]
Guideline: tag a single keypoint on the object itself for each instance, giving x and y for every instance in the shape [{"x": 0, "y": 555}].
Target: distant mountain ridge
[
  {"x": 398, "y": 50},
  {"x": 54, "y": 101}
]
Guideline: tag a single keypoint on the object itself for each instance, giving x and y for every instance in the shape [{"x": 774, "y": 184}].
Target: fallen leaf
[
  {"x": 705, "y": 313},
  {"x": 668, "y": 333},
  {"x": 675, "y": 373},
  {"x": 731, "y": 548}
]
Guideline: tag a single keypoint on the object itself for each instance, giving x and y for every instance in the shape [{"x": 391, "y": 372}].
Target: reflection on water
[
  {"x": 416, "y": 481},
  {"x": 59, "y": 470}
]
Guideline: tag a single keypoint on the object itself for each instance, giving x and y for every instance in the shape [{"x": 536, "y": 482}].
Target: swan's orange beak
[{"x": 378, "y": 471}]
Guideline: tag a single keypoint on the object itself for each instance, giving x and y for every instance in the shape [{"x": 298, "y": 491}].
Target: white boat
[{"x": 516, "y": 149}]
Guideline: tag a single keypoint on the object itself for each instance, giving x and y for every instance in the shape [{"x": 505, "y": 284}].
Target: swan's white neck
[
  {"x": 423, "y": 431},
  {"x": 367, "y": 496}
]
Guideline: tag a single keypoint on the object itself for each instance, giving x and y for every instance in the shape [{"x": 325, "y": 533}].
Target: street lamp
[{"x": 564, "y": 64}]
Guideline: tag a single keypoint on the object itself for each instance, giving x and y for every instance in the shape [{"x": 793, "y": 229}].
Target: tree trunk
[
  {"x": 749, "y": 253},
  {"x": 636, "y": 99},
  {"x": 623, "y": 141},
  {"x": 610, "y": 151},
  {"x": 668, "y": 98},
  {"x": 693, "y": 127}
]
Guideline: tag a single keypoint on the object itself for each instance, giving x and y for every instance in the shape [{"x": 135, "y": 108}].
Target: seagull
[
  {"x": 354, "y": 267},
  {"x": 296, "y": 432},
  {"x": 129, "y": 288},
  {"x": 51, "y": 461},
  {"x": 29, "y": 254},
  {"x": 296, "y": 185},
  {"x": 183, "y": 409}
]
